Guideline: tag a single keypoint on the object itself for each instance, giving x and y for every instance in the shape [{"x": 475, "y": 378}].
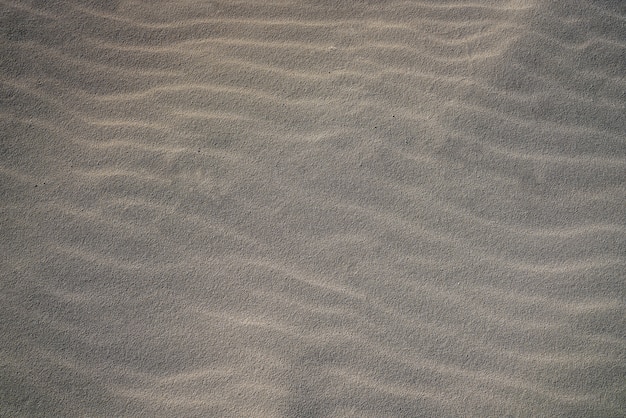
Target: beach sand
[{"x": 313, "y": 208}]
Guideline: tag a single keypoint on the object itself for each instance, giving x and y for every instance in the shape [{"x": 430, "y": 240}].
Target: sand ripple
[{"x": 404, "y": 208}]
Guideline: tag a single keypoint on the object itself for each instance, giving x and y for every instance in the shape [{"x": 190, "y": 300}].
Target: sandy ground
[{"x": 313, "y": 208}]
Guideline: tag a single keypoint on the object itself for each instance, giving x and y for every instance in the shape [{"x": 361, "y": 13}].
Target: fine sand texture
[{"x": 313, "y": 208}]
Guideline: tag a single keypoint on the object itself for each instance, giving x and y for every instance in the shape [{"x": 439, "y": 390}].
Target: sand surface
[{"x": 313, "y": 208}]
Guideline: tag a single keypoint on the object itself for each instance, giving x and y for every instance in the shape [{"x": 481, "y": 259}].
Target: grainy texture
[{"x": 312, "y": 208}]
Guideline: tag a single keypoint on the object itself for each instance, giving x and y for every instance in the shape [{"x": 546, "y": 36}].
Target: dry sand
[{"x": 313, "y": 208}]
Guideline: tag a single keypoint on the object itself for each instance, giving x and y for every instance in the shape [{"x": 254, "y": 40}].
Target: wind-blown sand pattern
[{"x": 313, "y": 208}]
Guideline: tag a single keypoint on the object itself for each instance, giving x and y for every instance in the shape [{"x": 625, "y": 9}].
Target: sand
[{"x": 313, "y": 208}]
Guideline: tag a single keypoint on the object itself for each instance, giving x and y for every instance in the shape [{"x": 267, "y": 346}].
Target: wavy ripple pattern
[{"x": 312, "y": 208}]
